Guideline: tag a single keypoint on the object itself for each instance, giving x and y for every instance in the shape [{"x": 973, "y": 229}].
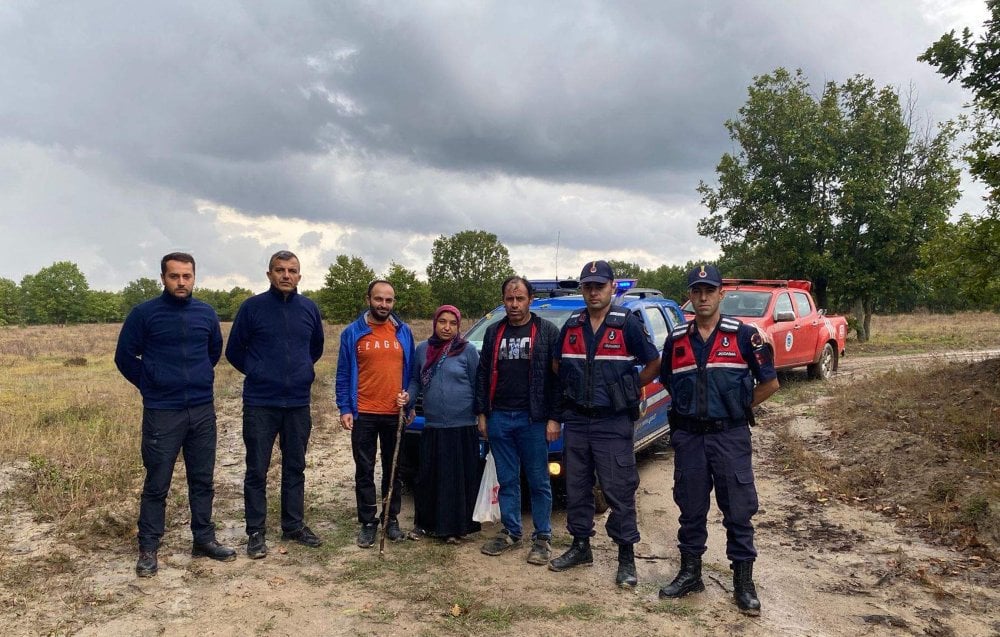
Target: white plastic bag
[{"x": 488, "y": 501}]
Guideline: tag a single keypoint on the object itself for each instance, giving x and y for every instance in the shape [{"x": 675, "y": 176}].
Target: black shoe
[
  {"x": 256, "y": 546},
  {"x": 744, "y": 591},
  {"x": 393, "y": 532},
  {"x": 366, "y": 536},
  {"x": 303, "y": 536},
  {"x": 213, "y": 550},
  {"x": 146, "y": 565},
  {"x": 688, "y": 579},
  {"x": 626, "y": 576},
  {"x": 579, "y": 554}
]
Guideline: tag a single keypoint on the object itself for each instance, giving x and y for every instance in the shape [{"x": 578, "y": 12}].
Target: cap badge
[
  {"x": 702, "y": 274},
  {"x": 593, "y": 267}
]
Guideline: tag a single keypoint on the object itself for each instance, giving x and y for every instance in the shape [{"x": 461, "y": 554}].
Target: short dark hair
[
  {"x": 183, "y": 257},
  {"x": 515, "y": 280},
  {"x": 280, "y": 255},
  {"x": 376, "y": 282}
]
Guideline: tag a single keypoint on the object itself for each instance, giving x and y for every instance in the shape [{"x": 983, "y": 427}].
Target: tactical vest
[
  {"x": 591, "y": 382},
  {"x": 719, "y": 390}
]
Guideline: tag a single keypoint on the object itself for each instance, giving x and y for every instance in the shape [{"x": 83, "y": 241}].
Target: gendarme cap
[
  {"x": 597, "y": 272},
  {"x": 705, "y": 275}
]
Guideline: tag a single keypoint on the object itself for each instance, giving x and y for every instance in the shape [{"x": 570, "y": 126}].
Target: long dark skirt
[{"x": 447, "y": 482}]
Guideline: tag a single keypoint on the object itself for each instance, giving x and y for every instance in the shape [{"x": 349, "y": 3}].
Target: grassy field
[{"x": 921, "y": 332}]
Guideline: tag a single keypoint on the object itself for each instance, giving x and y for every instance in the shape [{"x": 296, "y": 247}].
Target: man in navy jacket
[
  {"x": 168, "y": 348},
  {"x": 276, "y": 339}
]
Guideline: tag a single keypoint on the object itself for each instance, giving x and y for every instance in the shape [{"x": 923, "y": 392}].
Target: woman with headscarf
[{"x": 447, "y": 482}]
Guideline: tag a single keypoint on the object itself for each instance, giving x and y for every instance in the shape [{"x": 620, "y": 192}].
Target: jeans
[
  {"x": 371, "y": 431},
  {"x": 292, "y": 426},
  {"x": 164, "y": 433},
  {"x": 517, "y": 442}
]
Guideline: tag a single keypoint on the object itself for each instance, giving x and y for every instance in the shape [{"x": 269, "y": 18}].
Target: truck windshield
[{"x": 745, "y": 303}]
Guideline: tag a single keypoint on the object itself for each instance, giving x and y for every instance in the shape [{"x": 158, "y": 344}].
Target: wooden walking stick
[{"x": 392, "y": 479}]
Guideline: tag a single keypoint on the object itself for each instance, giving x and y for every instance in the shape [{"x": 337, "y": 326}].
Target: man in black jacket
[
  {"x": 276, "y": 339},
  {"x": 515, "y": 400}
]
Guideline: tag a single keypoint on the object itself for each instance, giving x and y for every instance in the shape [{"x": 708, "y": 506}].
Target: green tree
[
  {"x": 103, "y": 307},
  {"x": 56, "y": 294},
  {"x": 346, "y": 283},
  {"x": 974, "y": 62},
  {"x": 959, "y": 265},
  {"x": 413, "y": 296},
  {"x": 142, "y": 289},
  {"x": 669, "y": 279},
  {"x": 625, "y": 269},
  {"x": 226, "y": 304},
  {"x": 467, "y": 269},
  {"x": 837, "y": 189},
  {"x": 10, "y": 303}
]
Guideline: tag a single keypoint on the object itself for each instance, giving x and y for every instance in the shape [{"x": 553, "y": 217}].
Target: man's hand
[
  {"x": 481, "y": 425},
  {"x": 552, "y": 430},
  {"x": 402, "y": 398},
  {"x": 347, "y": 421}
]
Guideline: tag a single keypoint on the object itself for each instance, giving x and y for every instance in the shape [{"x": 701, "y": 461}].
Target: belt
[
  {"x": 592, "y": 412},
  {"x": 694, "y": 426}
]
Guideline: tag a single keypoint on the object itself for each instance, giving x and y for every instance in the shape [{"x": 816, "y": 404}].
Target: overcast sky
[{"x": 234, "y": 129}]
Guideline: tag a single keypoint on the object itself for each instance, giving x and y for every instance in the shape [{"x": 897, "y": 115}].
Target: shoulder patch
[
  {"x": 616, "y": 317},
  {"x": 577, "y": 316},
  {"x": 680, "y": 330}
]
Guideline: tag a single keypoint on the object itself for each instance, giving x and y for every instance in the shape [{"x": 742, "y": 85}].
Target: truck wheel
[{"x": 823, "y": 369}]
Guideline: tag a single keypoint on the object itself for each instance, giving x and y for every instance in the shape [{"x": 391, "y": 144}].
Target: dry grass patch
[{"x": 924, "y": 332}]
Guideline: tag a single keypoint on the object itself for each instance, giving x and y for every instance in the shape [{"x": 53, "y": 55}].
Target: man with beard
[
  {"x": 168, "y": 348},
  {"x": 276, "y": 339},
  {"x": 373, "y": 368}
]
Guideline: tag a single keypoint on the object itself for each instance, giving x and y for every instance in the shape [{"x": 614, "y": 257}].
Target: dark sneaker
[
  {"x": 504, "y": 541},
  {"x": 578, "y": 554},
  {"x": 213, "y": 550},
  {"x": 393, "y": 532},
  {"x": 303, "y": 536},
  {"x": 146, "y": 565},
  {"x": 256, "y": 546},
  {"x": 541, "y": 551},
  {"x": 366, "y": 536}
]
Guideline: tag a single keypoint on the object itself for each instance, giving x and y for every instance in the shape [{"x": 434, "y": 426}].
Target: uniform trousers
[
  {"x": 719, "y": 460},
  {"x": 291, "y": 426},
  {"x": 602, "y": 446}
]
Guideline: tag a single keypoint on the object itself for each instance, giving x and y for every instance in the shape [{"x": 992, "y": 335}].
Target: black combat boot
[
  {"x": 578, "y": 554},
  {"x": 626, "y": 577},
  {"x": 688, "y": 579},
  {"x": 743, "y": 589}
]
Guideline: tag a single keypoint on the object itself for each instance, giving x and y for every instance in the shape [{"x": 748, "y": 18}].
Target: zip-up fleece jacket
[
  {"x": 346, "y": 390},
  {"x": 541, "y": 381},
  {"x": 275, "y": 340},
  {"x": 168, "y": 348},
  {"x": 449, "y": 398}
]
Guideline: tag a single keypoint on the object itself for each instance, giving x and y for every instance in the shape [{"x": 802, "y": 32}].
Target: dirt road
[{"x": 825, "y": 568}]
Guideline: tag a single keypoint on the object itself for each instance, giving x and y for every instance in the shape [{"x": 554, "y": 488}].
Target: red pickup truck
[{"x": 784, "y": 311}]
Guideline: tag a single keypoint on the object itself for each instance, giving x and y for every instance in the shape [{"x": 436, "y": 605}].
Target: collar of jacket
[
  {"x": 173, "y": 300},
  {"x": 278, "y": 294}
]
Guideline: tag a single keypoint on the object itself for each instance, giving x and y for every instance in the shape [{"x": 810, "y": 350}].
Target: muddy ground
[{"x": 825, "y": 567}]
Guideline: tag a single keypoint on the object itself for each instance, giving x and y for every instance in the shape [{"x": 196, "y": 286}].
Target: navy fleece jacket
[
  {"x": 275, "y": 341},
  {"x": 168, "y": 348}
]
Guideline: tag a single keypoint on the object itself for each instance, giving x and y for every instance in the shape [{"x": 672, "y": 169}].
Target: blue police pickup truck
[{"x": 556, "y": 300}]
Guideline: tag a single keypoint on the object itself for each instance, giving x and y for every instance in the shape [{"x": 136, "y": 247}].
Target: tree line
[{"x": 840, "y": 185}]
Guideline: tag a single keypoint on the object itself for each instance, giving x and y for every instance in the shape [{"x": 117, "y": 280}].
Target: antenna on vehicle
[{"x": 558, "y": 234}]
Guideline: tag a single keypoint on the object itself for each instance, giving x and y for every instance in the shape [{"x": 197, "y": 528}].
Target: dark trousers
[
  {"x": 165, "y": 432},
  {"x": 602, "y": 446},
  {"x": 721, "y": 461},
  {"x": 370, "y": 433},
  {"x": 291, "y": 426}
]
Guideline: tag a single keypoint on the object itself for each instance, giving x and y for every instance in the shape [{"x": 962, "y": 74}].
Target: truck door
[
  {"x": 784, "y": 332},
  {"x": 807, "y": 326}
]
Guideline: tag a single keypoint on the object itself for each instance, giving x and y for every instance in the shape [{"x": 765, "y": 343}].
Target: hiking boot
[
  {"x": 626, "y": 576},
  {"x": 504, "y": 541},
  {"x": 688, "y": 579},
  {"x": 366, "y": 536},
  {"x": 303, "y": 536},
  {"x": 578, "y": 554},
  {"x": 256, "y": 546},
  {"x": 541, "y": 551},
  {"x": 213, "y": 550},
  {"x": 393, "y": 532},
  {"x": 744, "y": 591},
  {"x": 146, "y": 565}
]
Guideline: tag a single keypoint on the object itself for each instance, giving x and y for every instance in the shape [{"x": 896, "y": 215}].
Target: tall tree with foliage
[
  {"x": 467, "y": 269},
  {"x": 56, "y": 294},
  {"x": 346, "y": 283},
  {"x": 10, "y": 302},
  {"x": 142, "y": 289},
  {"x": 104, "y": 307},
  {"x": 975, "y": 63},
  {"x": 959, "y": 270},
  {"x": 413, "y": 296},
  {"x": 835, "y": 188},
  {"x": 625, "y": 269}
]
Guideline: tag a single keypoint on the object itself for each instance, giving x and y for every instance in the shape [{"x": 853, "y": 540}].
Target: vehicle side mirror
[{"x": 785, "y": 316}]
